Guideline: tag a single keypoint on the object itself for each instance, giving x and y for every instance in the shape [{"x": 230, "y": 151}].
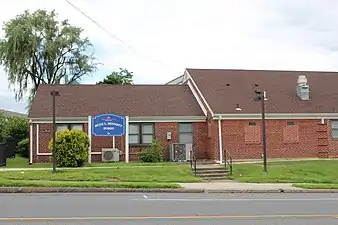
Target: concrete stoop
[{"x": 212, "y": 172}]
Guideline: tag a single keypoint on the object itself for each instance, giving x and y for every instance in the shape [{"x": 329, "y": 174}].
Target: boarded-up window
[
  {"x": 290, "y": 133},
  {"x": 252, "y": 133}
]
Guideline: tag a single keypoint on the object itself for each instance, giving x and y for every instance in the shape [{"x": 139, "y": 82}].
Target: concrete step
[
  {"x": 212, "y": 171},
  {"x": 210, "y": 167},
  {"x": 220, "y": 178},
  {"x": 205, "y": 162},
  {"x": 213, "y": 175}
]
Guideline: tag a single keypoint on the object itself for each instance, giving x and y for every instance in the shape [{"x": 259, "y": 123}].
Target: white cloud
[{"x": 260, "y": 34}]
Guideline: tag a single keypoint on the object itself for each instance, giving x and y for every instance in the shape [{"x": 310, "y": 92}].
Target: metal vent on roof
[{"x": 303, "y": 90}]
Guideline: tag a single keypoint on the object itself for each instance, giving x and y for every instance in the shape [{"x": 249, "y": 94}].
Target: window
[
  {"x": 76, "y": 126},
  {"x": 60, "y": 127},
  {"x": 141, "y": 133},
  {"x": 186, "y": 133},
  {"x": 334, "y": 129}
]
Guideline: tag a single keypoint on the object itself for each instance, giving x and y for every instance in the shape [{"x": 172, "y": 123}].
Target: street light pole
[
  {"x": 263, "y": 98},
  {"x": 54, "y": 94}
]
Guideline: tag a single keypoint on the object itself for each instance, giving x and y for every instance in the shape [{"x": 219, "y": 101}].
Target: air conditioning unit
[
  {"x": 110, "y": 155},
  {"x": 180, "y": 152}
]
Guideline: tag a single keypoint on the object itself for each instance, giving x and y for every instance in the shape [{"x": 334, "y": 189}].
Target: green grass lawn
[
  {"x": 85, "y": 184},
  {"x": 310, "y": 173},
  {"x": 317, "y": 186},
  {"x": 133, "y": 175},
  {"x": 19, "y": 162}
]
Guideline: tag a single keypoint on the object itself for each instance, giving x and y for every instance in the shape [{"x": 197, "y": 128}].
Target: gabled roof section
[
  {"x": 8, "y": 113},
  {"x": 224, "y": 89},
  {"x": 177, "y": 80},
  {"x": 128, "y": 100}
]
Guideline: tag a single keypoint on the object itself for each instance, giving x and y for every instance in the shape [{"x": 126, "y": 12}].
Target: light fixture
[
  {"x": 264, "y": 94},
  {"x": 238, "y": 108}
]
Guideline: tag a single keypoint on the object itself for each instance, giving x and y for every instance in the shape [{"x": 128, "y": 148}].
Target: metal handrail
[
  {"x": 228, "y": 161},
  {"x": 193, "y": 162}
]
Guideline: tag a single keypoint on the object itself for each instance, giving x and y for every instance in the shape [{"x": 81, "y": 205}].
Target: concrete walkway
[{"x": 237, "y": 186}]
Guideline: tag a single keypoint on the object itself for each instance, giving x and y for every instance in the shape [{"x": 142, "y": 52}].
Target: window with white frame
[
  {"x": 141, "y": 133},
  {"x": 73, "y": 126},
  {"x": 186, "y": 133},
  {"x": 334, "y": 129}
]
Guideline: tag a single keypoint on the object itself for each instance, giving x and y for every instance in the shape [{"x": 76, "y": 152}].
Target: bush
[
  {"x": 22, "y": 148},
  {"x": 16, "y": 128},
  {"x": 153, "y": 154},
  {"x": 71, "y": 148}
]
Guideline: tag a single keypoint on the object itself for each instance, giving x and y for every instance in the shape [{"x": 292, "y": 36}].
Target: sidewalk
[{"x": 237, "y": 186}]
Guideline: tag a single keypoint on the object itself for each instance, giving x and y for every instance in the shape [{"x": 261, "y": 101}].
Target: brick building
[{"x": 199, "y": 107}]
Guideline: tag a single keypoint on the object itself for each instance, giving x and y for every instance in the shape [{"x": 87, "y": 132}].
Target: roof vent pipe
[{"x": 303, "y": 90}]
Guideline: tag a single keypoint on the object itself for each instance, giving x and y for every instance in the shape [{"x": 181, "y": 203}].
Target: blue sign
[{"x": 108, "y": 125}]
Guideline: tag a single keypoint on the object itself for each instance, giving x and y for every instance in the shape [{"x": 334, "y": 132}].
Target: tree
[
  {"x": 39, "y": 49},
  {"x": 3, "y": 122},
  {"x": 121, "y": 77},
  {"x": 16, "y": 128}
]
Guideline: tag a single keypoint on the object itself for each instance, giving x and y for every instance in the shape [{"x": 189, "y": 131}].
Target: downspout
[
  {"x": 220, "y": 140},
  {"x": 30, "y": 142}
]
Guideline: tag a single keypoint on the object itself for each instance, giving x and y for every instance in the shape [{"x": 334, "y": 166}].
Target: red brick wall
[
  {"x": 45, "y": 135},
  {"x": 332, "y": 143},
  {"x": 306, "y": 138},
  {"x": 161, "y": 129},
  {"x": 200, "y": 145}
]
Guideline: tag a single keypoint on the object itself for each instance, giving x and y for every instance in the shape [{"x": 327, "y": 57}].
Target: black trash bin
[
  {"x": 3, "y": 154},
  {"x": 10, "y": 148}
]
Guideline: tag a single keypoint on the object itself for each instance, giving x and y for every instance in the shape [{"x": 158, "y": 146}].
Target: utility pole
[
  {"x": 263, "y": 98},
  {"x": 54, "y": 94}
]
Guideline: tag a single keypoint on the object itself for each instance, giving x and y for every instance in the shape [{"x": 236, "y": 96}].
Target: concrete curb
[{"x": 150, "y": 190}]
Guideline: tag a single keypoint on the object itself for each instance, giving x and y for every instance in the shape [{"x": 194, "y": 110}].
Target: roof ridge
[
  {"x": 110, "y": 85},
  {"x": 263, "y": 70}
]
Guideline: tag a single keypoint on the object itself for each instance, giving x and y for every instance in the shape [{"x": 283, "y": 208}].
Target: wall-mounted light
[
  {"x": 238, "y": 108},
  {"x": 265, "y": 97}
]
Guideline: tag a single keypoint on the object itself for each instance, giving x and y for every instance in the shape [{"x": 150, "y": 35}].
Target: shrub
[
  {"x": 153, "y": 154},
  {"x": 71, "y": 147},
  {"x": 13, "y": 128},
  {"x": 16, "y": 128},
  {"x": 22, "y": 148}
]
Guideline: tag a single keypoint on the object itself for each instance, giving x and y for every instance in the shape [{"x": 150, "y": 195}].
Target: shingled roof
[
  {"x": 129, "y": 100},
  {"x": 224, "y": 89},
  {"x": 9, "y": 113}
]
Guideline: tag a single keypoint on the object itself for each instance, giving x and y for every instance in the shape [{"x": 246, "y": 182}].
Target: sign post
[
  {"x": 110, "y": 125},
  {"x": 127, "y": 140},
  {"x": 90, "y": 139}
]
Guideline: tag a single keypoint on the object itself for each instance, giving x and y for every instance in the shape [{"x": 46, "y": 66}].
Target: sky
[{"x": 159, "y": 39}]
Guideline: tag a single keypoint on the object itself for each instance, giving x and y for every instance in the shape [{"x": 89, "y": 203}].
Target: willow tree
[
  {"x": 121, "y": 77},
  {"x": 37, "y": 49}
]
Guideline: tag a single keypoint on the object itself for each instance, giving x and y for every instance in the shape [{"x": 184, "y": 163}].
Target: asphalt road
[{"x": 153, "y": 208}]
